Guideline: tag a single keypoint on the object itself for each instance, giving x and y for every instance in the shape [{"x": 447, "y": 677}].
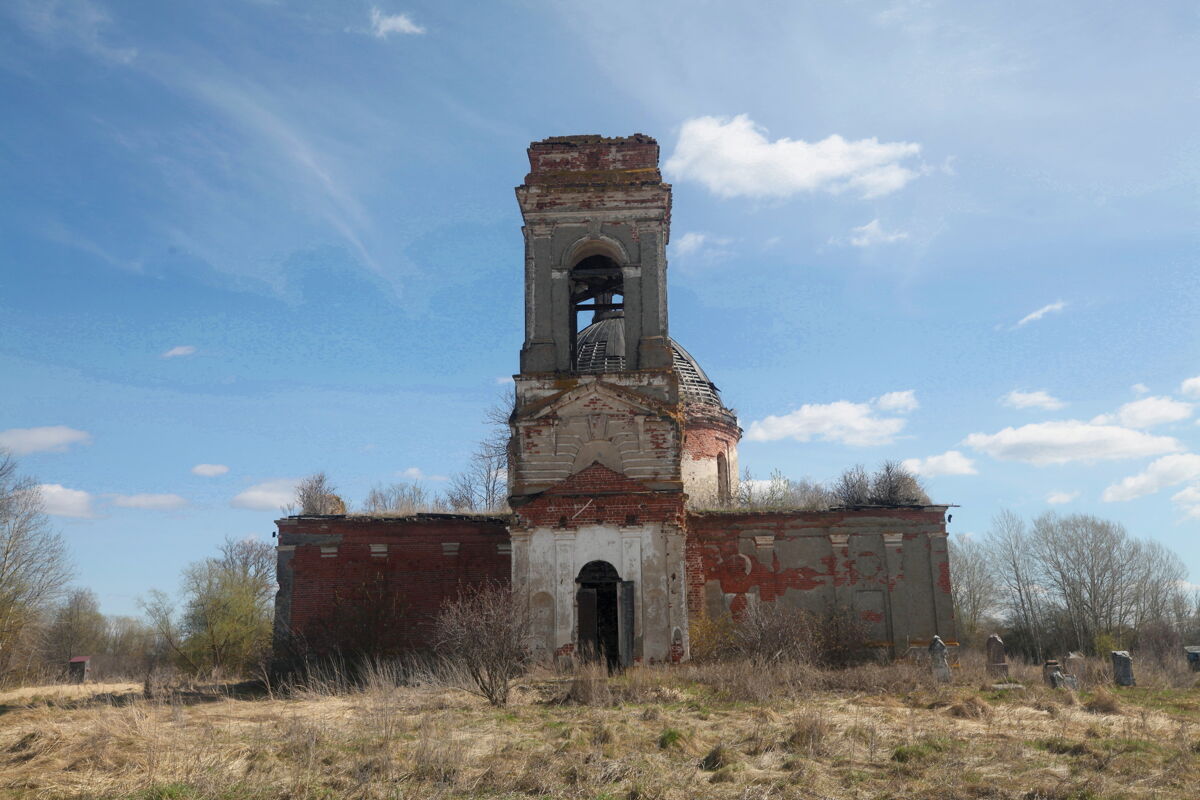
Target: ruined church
[{"x": 622, "y": 468}]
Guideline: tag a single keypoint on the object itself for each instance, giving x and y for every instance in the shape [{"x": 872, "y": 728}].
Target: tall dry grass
[{"x": 725, "y": 730}]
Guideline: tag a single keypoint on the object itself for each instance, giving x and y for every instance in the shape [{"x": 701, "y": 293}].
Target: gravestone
[
  {"x": 1193, "y": 657},
  {"x": 997, "y": 658},
  {"x": 1076, "y": 665},
  {"x": 937, "y": 660},
  {"x": 1055, "y": 678},
  {"x": 1123, "y": 668},
  {"x": 1048, "y": 669}
]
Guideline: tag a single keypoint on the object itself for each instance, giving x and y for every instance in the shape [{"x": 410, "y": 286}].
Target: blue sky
[{"x": 281, "y": 237}]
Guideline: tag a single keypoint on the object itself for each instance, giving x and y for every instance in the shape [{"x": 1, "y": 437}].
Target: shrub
[{"x": 485, "y": 634}]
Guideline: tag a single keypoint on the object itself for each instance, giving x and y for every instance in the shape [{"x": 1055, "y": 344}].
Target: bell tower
[
  {"x": 597, "y": 219},
  {"x": 595, "y": 480}
]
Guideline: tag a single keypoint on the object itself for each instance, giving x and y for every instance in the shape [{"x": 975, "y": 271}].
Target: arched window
[
  {"x": 598, "y": 286},
  {"x": 723, "y": 493}
]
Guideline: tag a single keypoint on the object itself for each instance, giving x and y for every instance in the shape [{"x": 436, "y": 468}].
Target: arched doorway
[{"x": 605, "y": 615}]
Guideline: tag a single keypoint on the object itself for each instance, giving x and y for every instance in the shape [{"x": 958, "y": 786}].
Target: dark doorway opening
[{"x": 605, "y": 604}]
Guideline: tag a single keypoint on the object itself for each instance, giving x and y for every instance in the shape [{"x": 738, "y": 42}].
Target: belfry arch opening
[
  {"x": 598, "y": 286},
  {"x": 604, "y": 603}
]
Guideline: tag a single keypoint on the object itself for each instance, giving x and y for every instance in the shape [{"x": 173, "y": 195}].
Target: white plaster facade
[{"x": 546, "y": 563}]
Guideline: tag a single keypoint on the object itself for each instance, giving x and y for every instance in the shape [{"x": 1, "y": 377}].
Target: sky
[{"x": 241, "y": 242}]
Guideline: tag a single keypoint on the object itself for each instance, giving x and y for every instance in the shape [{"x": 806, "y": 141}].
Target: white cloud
[
  {"x": 1166, "y": 471},
  {"x": 872, "y": 234},
  {"x": 702, "y": 248},
  {"x": 63, "y": 502},
  {"x": 897, "y": 401},
  {"x": 1147, "y": 412},
  {"x": 1069, "y": 440},
  {"x": 841, "y": 421},
  {"x": 1190, "y": 387},
  {"x": 267, "y": 496},
  {"x": 154, "y": 502},
  {"x": 951, "y": 462},
  {"x": 733, "y": 158},
  {"x": 1041, "y": 312},
  {"x": 1058, "y": 498},
  {"x": 181, "y": 350},
  {"x": 1038, "y": 399},
  {"x": 49, "y": 439},
  {"x": 1140, "y": 388},
  {"x": 504, "y": 380},
  {"x": 209, "y": 470},
  {"x": 418, "y": 474},
  {"x": 1189, "y": 501},
  {"x": 384, "y": 24}
]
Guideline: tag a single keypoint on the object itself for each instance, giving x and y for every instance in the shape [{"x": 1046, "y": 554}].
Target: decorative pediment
[{"x": 581, "y": 401}]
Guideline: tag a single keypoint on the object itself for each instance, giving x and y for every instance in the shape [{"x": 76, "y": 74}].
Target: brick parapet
[{"x": 348, "y": 571}]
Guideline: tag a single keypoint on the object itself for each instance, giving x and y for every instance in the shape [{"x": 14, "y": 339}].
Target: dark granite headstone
[{"x": 1123, "y": 668}]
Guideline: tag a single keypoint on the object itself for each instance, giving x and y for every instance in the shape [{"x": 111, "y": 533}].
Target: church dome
[{"x": 600, "y": 347}]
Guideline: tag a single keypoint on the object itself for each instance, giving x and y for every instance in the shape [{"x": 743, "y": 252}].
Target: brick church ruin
[{"x": 622, "y": 466}]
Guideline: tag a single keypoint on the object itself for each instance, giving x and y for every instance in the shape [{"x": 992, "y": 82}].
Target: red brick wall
[
  {"x": 592, "y": 153},
  {"x": 598, "y": 495},
  {"x": 715, "y": 539},
  {"x": 354, "y": 595}
]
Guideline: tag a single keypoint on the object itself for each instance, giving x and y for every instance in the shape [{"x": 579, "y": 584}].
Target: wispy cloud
[
  {"x": 182, "y": 350},
  {"x": 1069, "y": 440},
  {"x": 1167, "y": 471},
  {"x": 152, "y": 502},
  {"x": 873, "y": 234},
  {"x": 75, "y": 24},
  {"x": 1058, "y": 498},
  {"x": 700, "y": 248},
  {"x": 383, "y": 25},
  {"x": 1188, "y": 501},
  {"x": 1034, "y": 316},
  {"x": 734, "y": 158},
  {"x": 267, "y": 496},
  {"x": 951, "y": 462},
  {"x": 209, "y": 470},
  {"x": 49, "y": 439},
  {"x": 1190, "y": 387},
  {"x": 1140, "y": 388},
  {"x": 1037, "y": 399},
  {"x": 59, "y": 501}
]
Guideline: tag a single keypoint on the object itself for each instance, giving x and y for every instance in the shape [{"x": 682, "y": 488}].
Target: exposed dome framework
[{"x": 600, "y": 347}]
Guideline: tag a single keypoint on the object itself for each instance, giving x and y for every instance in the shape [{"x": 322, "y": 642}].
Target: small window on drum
[{"x": 723, "y": 493}]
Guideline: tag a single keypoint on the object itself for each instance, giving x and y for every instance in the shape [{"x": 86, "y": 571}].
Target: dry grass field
[{"x": 721, "y": 731}]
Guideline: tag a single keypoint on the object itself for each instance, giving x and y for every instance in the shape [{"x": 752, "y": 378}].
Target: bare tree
[
  {"x": 34, "y": 568},
  {"x": 225, "y": 622},
  {"x": 483, "y": 485},
  {"x": 974, "y": 587},
  {"x": 767, "y": 633},
  {"x": 77, "y": 628},
  {"x": 893, "y": 485},
  {"x": 853, "y": 487},
  {"x": 780, "y": 492},
  {"x": 401, "y": 499},
  {"x": 316, "y": 495},
  {"x": 485, "y": 633},
  {"x": 1008, "y": 545}
]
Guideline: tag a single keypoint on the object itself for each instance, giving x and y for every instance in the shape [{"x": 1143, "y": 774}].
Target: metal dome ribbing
[{"x": 600, "y": 347}]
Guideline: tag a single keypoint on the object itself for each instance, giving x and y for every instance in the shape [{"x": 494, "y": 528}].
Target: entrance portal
[{"x": 605, "y": 604}]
